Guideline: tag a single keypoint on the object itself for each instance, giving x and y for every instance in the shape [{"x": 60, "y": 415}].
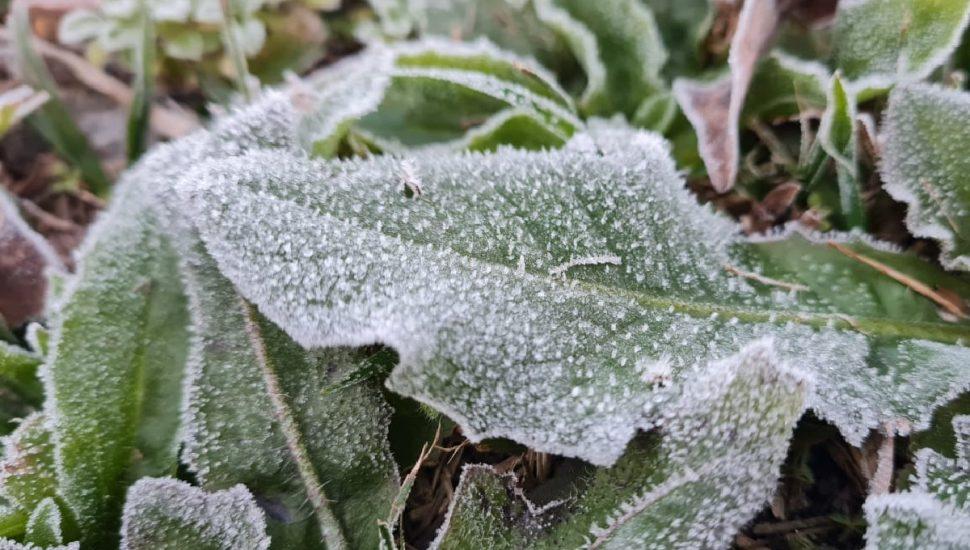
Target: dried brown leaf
[{"x": 714, "y": 108}]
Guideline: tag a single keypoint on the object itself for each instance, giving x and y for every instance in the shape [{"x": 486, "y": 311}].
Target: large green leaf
[
  {"x": 172, "y": 515},
  {"x": 534, "y": 295},
  {"x": 259, "y": 409},
  {"x": 935, "y": 512},
  {"x": 114, "y": 376},
  {"x": 925, "y": 165},
  {"x": 882, "y": 42},
  {"x": 713, "y": 468}
]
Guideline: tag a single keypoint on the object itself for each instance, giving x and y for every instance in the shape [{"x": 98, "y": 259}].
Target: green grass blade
[
  {"x": 53, "y": 120},
  {"x": 143, "y": 85}
]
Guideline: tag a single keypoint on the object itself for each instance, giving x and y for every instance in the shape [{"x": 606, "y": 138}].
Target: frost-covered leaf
[
  {"x": 882, "y": 42},
  {"x": 171, "y": 514},
  {"x": 28, "y": 475},
  {"x": 44, "y": 525},
  {"x": 114, "y": 375},
  {"x": 24, "y": 256},
  {"x": 837, "y": 137},
  {"x": 259, "y": 409},
  {"x": 577, "y": 277},
  {"x": 723, "y": 441},
  {"x": 436, "y": 92},
  {"x": 714, "y": 107},
  {"x": 264, "y": 412},
  {"x": 935, "y": 511},
  {"x": 511, "y": 24},
  {"x": 6, "y": 544},
  {"x": 618, "y": 44},
  {"x": 20, "y": 388},
  {"x": 924, "y": 165}
]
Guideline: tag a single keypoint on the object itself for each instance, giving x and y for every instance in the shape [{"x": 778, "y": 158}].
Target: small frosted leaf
[
  {"x": 837, "y": 137},
  {"x": 27, "y": 474},
  {"x": 723, "y": 440},
  {"x": 935, "y": 512},
  {"x": 925, "y": 165},
  {"x": 44, "y": 525},
  {"x": 431, "y": 92},
  {"x": 714, "y": 108},
  {"x": 618, "y": 44},
  {"x": 168, "y": 513},
  {"x": 593, "y": 236},
  {"x": 914, "y": 520},
  {"x": 882, "y": 42}
]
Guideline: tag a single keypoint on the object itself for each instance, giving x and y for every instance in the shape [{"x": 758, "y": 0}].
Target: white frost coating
[
  {"x": 6, "y": 544},
  {"x": 724, "y": 440},
  {"x": 337, "y": 255},
  {"x": 926, "y": 166},
  {"x": 414, "y": 308},
  {"x": 45, "y": 521},
  {"x": 935, "y": 512},
  {"x": 171, "y": 513},
  {"x": 914, "y": 520},
  {"x": 610, "y": 259},
  {"x": 348, "y": 90},
  {"x": 880, "y": 43}
]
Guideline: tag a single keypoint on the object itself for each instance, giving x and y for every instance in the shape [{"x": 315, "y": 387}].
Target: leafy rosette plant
[{"x": 445, "y": 223}]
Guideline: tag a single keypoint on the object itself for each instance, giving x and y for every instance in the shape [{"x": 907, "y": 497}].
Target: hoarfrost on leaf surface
[
  {"x": 926, "y": 166},
  {"x": 259, "y": 409},
  {"x": 935, "y": 512},
  {"x": 879, "y": 43},
  {"x": 264, "y": 412},
  {"x": 721, "y": 444},
  {"x": 457, "y": 281},
  {"x": 171, "y": 514},
  {"x": 115, "y": 366}
]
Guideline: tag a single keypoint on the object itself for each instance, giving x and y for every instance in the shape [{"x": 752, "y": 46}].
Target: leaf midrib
[{"x": 943, "y": 332}]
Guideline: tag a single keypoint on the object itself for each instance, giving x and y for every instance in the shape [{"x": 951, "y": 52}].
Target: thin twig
[
  {"x": 48, "y": 219},
  {"x": 765, "y": 280},
  {"x": 902, "y": 278}
]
